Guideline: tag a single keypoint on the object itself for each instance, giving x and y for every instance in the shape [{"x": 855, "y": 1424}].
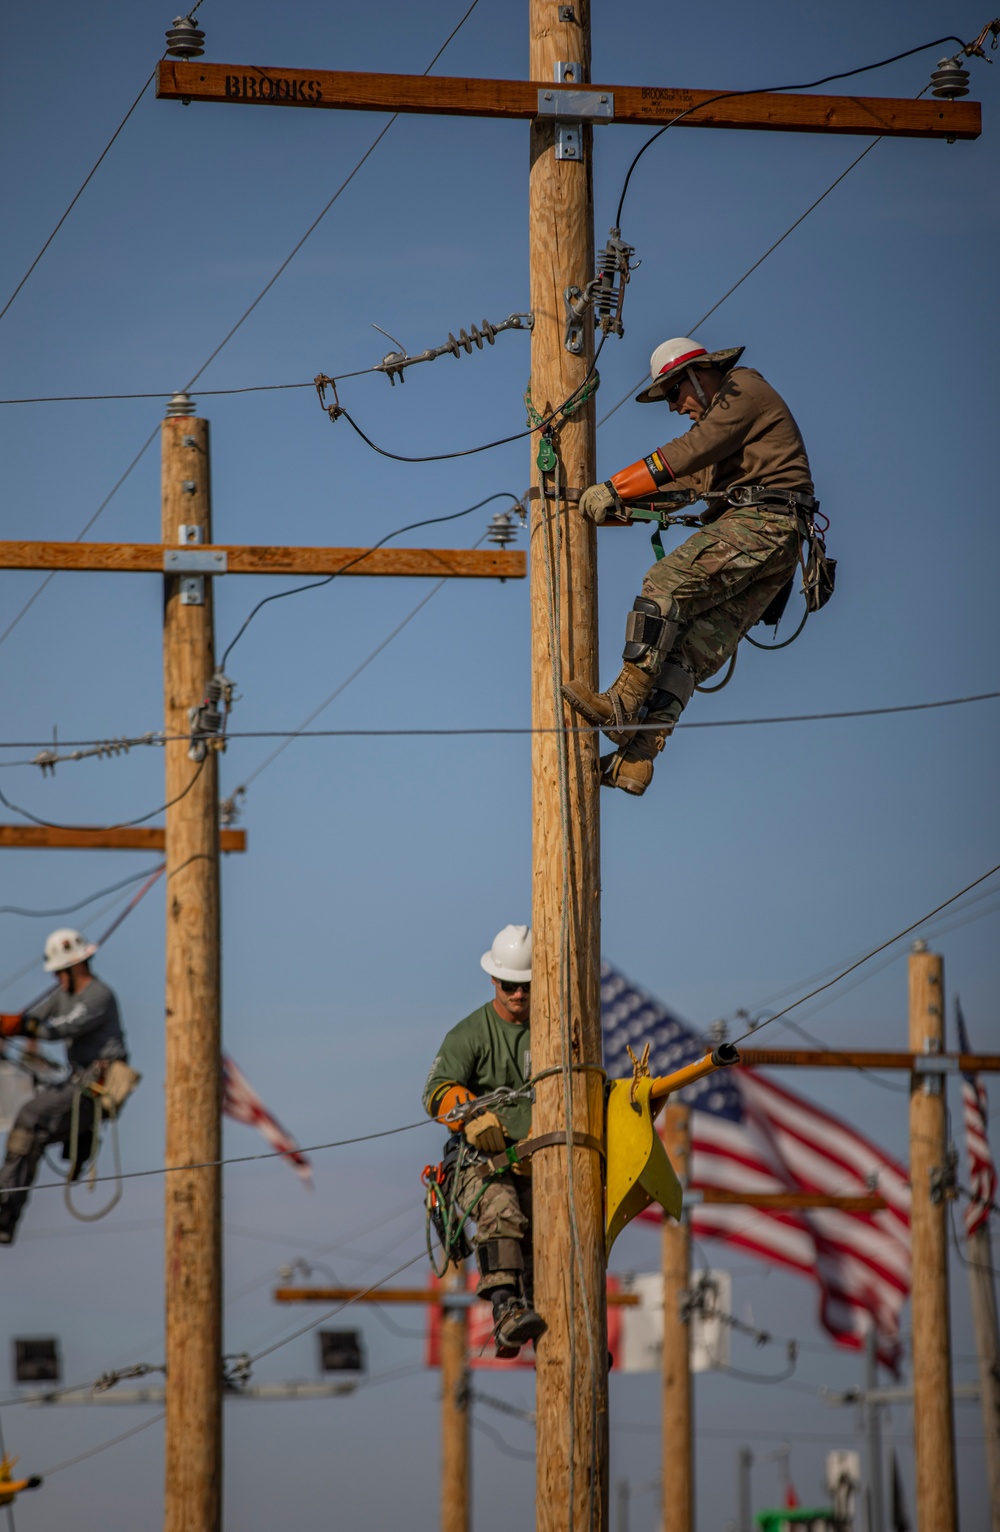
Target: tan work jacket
[{"x": 746, "y": 436}]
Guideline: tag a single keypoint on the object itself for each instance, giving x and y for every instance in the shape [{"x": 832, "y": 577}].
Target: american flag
[
  {"x": 241, "y": 1102},
  {"x": 749, "y": 1134},
  {"x": 976, "y": 1113}
]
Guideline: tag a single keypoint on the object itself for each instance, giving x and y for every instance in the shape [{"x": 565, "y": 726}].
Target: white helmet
[
  {"x": 510, "y": 955},
  {"x": 667, "y": 360},
  {"x": 66, "y": 947}
]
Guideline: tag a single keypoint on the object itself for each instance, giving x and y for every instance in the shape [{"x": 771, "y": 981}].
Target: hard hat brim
[
  {"x": 498, "y": 971},
  {"x": 724, "y": 360},
  {"x": 83, "y": 957}
]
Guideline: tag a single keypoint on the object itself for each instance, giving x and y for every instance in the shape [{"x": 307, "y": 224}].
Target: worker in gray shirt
[{"x": 82, "y": 1013}]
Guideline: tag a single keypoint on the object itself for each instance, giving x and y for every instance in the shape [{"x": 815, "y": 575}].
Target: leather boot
[
  {"x": 515, "y": 1325},
  {"x": 630, "y": 767},
  {"x": 617, "y": 707}
]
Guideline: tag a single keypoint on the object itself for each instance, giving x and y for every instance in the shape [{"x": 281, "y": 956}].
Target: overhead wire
[
  {"x": 727, "y": 95},
  {"x": 242, "y": 319},
  {"x": 124, "y": 824},
  {"x": 527, "y": 729},
  {"x": 81, "y": 1457},
  {"x": 869, "y": 955},
  {"x": 296, "y": 590},
  {"x": 70, "y": 909},
  {"x": 320, "y": 216}
]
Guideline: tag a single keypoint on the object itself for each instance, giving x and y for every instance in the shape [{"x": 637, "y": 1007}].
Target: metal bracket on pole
[
  {"x": 570, "y": 108},
  {"x": 193, "y": 565}
]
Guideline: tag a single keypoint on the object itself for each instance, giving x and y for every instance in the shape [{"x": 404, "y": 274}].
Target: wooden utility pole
[
  {"x": 455, "y": 1457},
  {"x": 678, "y": 1433},
  {"x": 934, "y": 1437},
  {"x": 570, "y": 1266},
  {"x": 193, "y": 1242},
  {"x": 979, "y": 1255}
]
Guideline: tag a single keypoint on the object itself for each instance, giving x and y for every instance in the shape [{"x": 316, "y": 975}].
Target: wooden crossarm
[
  {"x": 336, "y": 89},
  {"x": 97, "y": 838},
  {"x": 147, "y": 558}
]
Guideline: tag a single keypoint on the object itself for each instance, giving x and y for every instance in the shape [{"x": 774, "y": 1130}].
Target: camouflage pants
[
  {"x": 722, "y": 581},
  {"x": 502, "y": 1212}
]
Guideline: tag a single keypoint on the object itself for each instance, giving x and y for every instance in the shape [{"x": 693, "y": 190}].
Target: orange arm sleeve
[{"x": 642, "y": 478}]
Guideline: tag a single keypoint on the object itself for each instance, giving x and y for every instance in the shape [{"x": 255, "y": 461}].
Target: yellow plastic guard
[{"x": 639, "y": 1171}]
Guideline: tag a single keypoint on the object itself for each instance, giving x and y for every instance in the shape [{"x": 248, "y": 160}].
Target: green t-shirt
[{"x": 485, "y": 1052}]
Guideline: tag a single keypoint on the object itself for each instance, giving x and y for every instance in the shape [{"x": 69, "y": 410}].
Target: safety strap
[{"x": 514, "y": 1153}]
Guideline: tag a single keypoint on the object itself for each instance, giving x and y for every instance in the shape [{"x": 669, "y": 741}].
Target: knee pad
[
  {"x": 648, "y": 631},
  {"x": 499, "y": 1255},
  {"x": 673, "y": 683},
  {"x": 19, "y": 1142}
]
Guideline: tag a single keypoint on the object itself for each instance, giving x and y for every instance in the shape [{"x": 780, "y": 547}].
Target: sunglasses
[
  {"x": 510, "y": 988},
  {"x": 673, "y": 393}
]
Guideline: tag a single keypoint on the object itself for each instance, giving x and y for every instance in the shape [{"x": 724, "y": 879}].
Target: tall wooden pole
[
  {"x": 934, "y": 1438},
  {"x": 979, "y": 1255},
  {"x": 454, "y": 1406},
  {"x": 570, "y": 1267},
  {"x": 193, "y": 1501},
  {"x": 678, "y": 1437}
]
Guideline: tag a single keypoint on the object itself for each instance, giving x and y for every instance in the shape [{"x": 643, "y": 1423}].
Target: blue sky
[{"x": 379, "y": 870}]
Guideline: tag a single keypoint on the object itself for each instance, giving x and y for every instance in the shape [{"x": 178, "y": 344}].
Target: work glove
[
  {"x": 455, "y": 1095},
  {"x": 597, "y": 501},
  {"x": 485, "y": 1133},
  {"x": 10, "y": 1025}
]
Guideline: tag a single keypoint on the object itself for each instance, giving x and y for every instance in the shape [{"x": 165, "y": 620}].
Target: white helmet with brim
[
  {"x": 66, "y": 947},
  {"x": 510, "y": 955},
  {"x": 673, "y": 356}
]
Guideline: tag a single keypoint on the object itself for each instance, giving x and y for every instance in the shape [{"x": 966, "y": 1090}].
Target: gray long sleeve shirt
[{"x": 88, "y": 1023}]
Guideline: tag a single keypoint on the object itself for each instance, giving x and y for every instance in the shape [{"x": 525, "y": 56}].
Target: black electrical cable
[
  {"x": 70, "y": 909},
  {"x": 125, "y": 824},
  {"x": 296, "y": 590},
  {"x": 502, "y": 441},
  {"x": 770, "y": 90}
]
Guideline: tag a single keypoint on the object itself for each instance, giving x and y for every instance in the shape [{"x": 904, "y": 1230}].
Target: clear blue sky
[{"x": 379, "y": 870}]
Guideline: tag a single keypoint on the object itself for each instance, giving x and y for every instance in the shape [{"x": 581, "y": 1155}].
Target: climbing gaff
[{"x": 639, "y": 1171}]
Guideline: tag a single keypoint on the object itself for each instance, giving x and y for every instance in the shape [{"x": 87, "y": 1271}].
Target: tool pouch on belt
[
  {"x": 818, "y": 573},
  {"x": 117, "y": 1084}
]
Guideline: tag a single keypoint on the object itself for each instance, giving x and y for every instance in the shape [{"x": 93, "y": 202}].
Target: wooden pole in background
[
  {"x": 979, "y": 1254},
  {"x": 934, "y": 1438},
  {"x": 678, "y": 1436},
  {"x": 454, "y": 1407},
  {"x": 193, "y": 1247},
  {"x": 570, "y": 1267}
]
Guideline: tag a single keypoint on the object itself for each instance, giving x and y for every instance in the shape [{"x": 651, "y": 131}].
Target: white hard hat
[
  {"x": 510, "y": 955},
  {"x": 669, "y": 358},
  {"x": 66, "y": 947}
]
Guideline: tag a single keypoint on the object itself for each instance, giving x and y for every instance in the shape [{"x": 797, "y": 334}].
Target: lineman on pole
[
  {"x": 82, "y": 1013},
  {"x": 745, "y": 450},
  {"x": 489, "y": 1051}
]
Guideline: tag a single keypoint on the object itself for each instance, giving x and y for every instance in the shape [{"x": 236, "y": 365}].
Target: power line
[
  {"x": 125, "y": 824},
  {"x": 319, "y": 218},
  {"x": 243, "y": 317},
  {"x": 868, "y": 955},
  {"x": 526, "y": 729},
  {"x": 70, "y": 909},
  {"x": 296, "y": 590},
  {"x": 82, "y": 188},
  {"x": 165, "y": 393},
  {"x": 113, "y": 1441},
  {"x": 238, "y": 1159},
  {"x": 727, "y": 95}
]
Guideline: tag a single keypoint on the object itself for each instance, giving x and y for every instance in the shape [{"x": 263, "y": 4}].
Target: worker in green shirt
[{"x": 488, "y": 1051}]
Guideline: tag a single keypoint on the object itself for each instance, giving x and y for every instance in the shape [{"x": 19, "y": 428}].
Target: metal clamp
[
  {"x": 195, "y": 561},
  {"x": 571, "y": 108}
]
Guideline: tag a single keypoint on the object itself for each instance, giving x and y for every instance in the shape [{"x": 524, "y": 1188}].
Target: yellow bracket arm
[
  {"x": 722, "y": 1057},
  {"x": 639, "y": 1171}
]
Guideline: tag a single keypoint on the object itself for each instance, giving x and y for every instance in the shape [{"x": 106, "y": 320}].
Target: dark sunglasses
[
  {"x": 673, "y": 393},
  {"x": 510, "y": 988}
]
